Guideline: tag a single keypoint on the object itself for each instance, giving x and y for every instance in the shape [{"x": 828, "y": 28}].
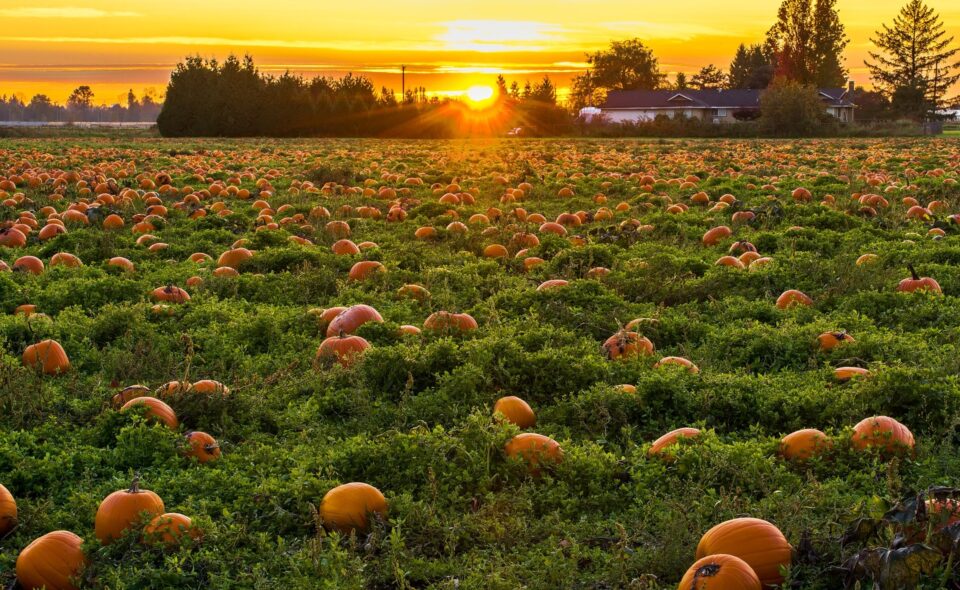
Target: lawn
[{"x": 479, "y": 228}]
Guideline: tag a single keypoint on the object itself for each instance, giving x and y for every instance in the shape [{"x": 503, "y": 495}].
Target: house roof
[{"x": 740, "y": 98}]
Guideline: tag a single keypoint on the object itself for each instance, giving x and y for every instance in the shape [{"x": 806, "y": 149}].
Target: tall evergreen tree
[
  {"x": 752, "y": 67},
  {"x": 681, "y": 82},
  {"x": 709, "y": 77},
  {"x": 807, "y": 42},
  {"x": 915, "y": 63}
]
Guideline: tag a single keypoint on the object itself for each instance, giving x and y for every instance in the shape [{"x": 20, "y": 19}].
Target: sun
[{"x": 479, "y": 96}]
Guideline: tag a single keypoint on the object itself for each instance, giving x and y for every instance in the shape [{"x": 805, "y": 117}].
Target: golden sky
[{"x": 51, "y": 46}]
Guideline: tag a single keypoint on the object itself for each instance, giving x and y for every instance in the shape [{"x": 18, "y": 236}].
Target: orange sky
[{"x": 51, "y": 46}]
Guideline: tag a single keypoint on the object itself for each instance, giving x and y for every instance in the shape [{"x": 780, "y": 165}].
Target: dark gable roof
[{"x": 703, "y": 99}]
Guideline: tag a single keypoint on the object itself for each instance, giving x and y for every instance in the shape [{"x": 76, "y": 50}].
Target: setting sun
[{"x": 479, "y": 95}]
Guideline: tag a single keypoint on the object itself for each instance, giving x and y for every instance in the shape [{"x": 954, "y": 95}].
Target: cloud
[{"x": 63, "y": 12}]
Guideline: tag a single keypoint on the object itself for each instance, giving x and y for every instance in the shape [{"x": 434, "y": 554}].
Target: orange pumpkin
[
  {"x": 202, "y": 446},
  {"x": 209, "y": 387},
  {"x": 414, "y": 291},
  {"x": 917, "y": 283},
  {"x": 625, "y": 344},
  {"x": 791, "y": 298},
  {"x": 831, "y": 340},
  {"x": 844, "y": 374},
  {"x": 446, "y": 322},
  {"x": 883, "y": 433},
  {"x": 47, "y": 355},
  {"x": 345, "y": 247},
  {"x": 343, "y": 349},
  {"x": 535, "y": 450},
  {"x": 128, "y": 393},
  {"x": 713, "y": 236},
  {"x": 803, "y": 444},
  {"x": 349, "y": 320},
  {"x": 8, "y": 511},
  {"x": 168, "y": 529},
  {"x": 30, "y": 264},
  {"x": 677, "y": 361},
  {"x": 669, "y": 439},
  {"x": 51, "y": 561},
  {"x": 515, "y": 411},
  {"x": 121, "y": 262},
  {"x": 365, "y": 269},
  {"x": 235, "y": 257},
  {"x": 156, "y": 410},
  {"x": 170, "y": 294},
  {"x": 720, "y": 572},
  {"x": 757, "y": 542},
  {"x": 348, "y": 507},
  {"x": 123, "y": 509}
]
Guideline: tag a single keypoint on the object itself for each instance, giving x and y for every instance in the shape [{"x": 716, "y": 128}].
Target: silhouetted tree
[
  {"x": 709, "y": 77},
  {"x": 752, "y": 67}
]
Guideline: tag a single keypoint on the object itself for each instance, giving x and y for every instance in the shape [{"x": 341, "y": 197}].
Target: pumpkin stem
[
  {"x": 913, "y": 272},
  {"x": 135, "y": 484},
  {"x": 340, "y": 335}
]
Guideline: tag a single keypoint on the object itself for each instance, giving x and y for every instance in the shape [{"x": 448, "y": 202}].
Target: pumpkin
[
  {"x": 47, "y": 355},
  {"x": 349, "y": 320},
  {"x": 712, "y": 237},
  {"x": 844, "y": 374},
  {"x": 348, "y": 507},
  {"x": 803, "y": 444},
  {"x": 678, "y": 361},
  {"x": 345, "y": 247},
  {"x": 235, "y": 257},
  {"x": 867, "y": 259},
  {"x": 27, "y": 309},
  {"x": 168, "y": 528},
  {"x": 917, "y": 283},
  {"x": 495, "y": 251},
  {"x": 515, "y": 411},
  {"x": 343, "y": 349},
  {"x": 123, "y": 509},
  {"x": 209, "y": 387},
  {"x": 625, "y": 344},
  {"x": 51, "y": 561},
  {"x": 202, "y": 446},
  {"x": 720, "y": 572},
  {"x": 552, "y": 283},
  {"x": 121, "y": 262},
  {"x": 446, "y": 322},
  {"x": 156, "y": 410},
  {"x": 414, "y": 291},
  {"x": 30, "y": 264},
  {"x": 831, "y": 340},
  {"x": 791, "y": 298},
  {"x": 173, "y": 388},
  {"x": 170, "y": 294},
  {"x": 535, "y": 450},
  {"x": 669, "y": 439},
  {"x": 8, "y": 511},
  {"x": 12, "y": 237},
  {"x": 327, "y": 315},
  {"x": 757, "y": 542},
  {"x": 365, "y": 269},
  {"x": 408, "y": 330},
  {"x": 128, "y": 393},
  {"x": 883, "y": 433}
]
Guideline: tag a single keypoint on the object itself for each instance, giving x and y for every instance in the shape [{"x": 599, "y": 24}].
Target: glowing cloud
[{"x": 63, "y": 12}]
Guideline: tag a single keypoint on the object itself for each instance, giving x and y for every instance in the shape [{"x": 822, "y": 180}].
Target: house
[{"x": 718, "y": 106}]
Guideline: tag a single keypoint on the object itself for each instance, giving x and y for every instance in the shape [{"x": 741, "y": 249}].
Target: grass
[{"x": 413, "y": 415}]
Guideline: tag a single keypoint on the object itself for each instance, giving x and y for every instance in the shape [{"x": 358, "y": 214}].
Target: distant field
[{"x": 603, "y": 296}]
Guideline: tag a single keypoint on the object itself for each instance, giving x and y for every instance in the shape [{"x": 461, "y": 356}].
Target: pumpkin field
[{"x": 483, "y": 364}]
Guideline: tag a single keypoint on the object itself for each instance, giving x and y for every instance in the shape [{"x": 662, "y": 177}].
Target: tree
[
  {"x": 914, "y": 65},
  {"x": 80, "y": 100},
  {"x": 709, "y": 77},
  {"x": 515, "y": 90},
  {"x": 752, "y": 67},
  {"x": 501, "y": 86},
  {"x": 41, "y": 108},
  {"x": 626, "y": 65},
  {"x": 681, "y": 83},
  {"x": 789, "y": 108},
  {"x": 807, "y": 43},
  {"x": 544, "y": 92},
  {"x": 872, "y": 105}
]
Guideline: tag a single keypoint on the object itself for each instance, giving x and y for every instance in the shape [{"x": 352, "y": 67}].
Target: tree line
[
  {"x": 80, "y": 107},
  {"x": 232, "y": 98}
]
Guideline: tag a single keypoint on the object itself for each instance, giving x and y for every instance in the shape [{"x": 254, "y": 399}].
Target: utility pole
[{"x": 403, "y": 81}]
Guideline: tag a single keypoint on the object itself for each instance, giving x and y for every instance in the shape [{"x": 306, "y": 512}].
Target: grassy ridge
[{"x": 413, "y": 418}]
